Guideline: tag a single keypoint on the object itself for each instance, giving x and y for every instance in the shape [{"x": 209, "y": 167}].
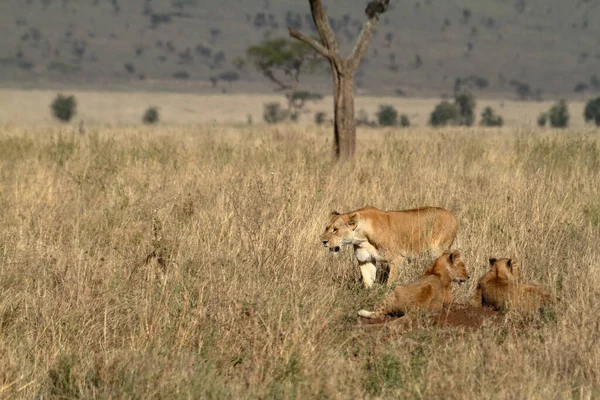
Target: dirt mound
[{"x": 462, "y": 316}]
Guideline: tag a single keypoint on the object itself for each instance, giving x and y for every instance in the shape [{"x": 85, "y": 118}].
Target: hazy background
[{"x": 420, "y": 47}]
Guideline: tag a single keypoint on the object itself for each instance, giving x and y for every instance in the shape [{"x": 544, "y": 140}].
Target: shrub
[
  {"x": 465, "y": 102},
  {"x": 273, "y": 113},
  {"x": 151, "y": 116},
  {"x": 320, "y": 117},
  {"x": 542, "y": 118},
  {"x": 559, "y": 115},
  {"x": 404, "y": 121},
  {"x": 445, "y": 113},
  {"x": 592, "y": 111},
  {"x": 489, "y": 118},
  {"x": 387, "y": 115},
  {"x": 64, "y": 107},
  {"x": 181, "y": 75}
]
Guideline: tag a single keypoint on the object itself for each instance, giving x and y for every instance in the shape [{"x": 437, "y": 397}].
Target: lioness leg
[{"x": 369, "y": 272}]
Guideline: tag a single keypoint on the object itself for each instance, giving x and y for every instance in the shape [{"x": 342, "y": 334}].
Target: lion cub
[
  {"x": 500, "y": 288},
  {"x": 429, "y": 292}
]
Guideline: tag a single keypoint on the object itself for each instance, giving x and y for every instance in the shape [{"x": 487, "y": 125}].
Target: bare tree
[{"x": 342, "y": 69}]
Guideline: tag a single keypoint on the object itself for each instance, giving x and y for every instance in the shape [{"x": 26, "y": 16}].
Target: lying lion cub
[
  {"x": 429, "y": 292},
  {"x": 500, "y": 289}
]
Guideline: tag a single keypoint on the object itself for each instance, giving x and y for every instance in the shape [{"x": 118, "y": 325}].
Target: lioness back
[{"x": 415, "y": 230}]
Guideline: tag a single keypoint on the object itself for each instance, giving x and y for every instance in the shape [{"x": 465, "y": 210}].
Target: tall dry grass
[{"x": 185, "y": 263}]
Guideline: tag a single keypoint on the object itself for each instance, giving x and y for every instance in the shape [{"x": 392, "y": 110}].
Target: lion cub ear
[
  {"x": 513, "y": 266},
  {"x": 454, "y": 256},
  {"x": 492, "y": 261},
  {"x": 353, "y": 220}
]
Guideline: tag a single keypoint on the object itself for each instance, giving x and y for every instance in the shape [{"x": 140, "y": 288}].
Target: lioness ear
[
  {"x": 334, "y": 213},
  {"x": 492, "y": 261},
  {"x": 353, "y": 220},
  {"x": 509, "y": 263}
]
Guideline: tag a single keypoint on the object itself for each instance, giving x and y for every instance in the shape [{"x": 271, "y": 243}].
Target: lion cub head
[
  {"x": 504, "y": 270},
  {"x": 340, "y": 231},
  {"x": 449, "y": 267},
  {"x": 501, "y": 288}
]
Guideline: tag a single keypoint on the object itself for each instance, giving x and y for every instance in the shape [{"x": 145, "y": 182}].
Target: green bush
[
  {"x": 592, "y": 111},
  {"x": 542, "y": 119},
  {"x": 387, "y": 115},
  {"x": 320, "y": 117},
  {"x": 273, "y": 113},
  {"x": 64, "y": 107},
  {"x": 489, "y": 118},
  {"x": 559, "y": 115},
  {"x": 151, "y": 116},
  {"x": 404, "y": 121},
  {"x": 445, "y": 113},
  {"x": 465, "y": 102}
]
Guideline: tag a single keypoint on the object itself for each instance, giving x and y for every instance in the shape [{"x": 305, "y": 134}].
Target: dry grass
[
  {"x": 185, "y": 263},
  {"x": 126, "y": 108}
]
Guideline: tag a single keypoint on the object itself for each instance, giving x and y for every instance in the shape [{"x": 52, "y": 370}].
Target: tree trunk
[
  {"x": 343, "y": 108},
  {"x": 342, "y": 69}
]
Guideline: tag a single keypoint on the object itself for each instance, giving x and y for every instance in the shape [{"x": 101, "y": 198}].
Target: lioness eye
[{"x": 334, "y": 230}]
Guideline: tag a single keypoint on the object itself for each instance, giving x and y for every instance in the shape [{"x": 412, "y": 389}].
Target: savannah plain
[{"x": 183, "y": 260}]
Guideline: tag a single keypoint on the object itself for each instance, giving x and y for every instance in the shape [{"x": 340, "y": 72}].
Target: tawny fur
[
  {"x": 390, "y": 236},
  {"x": 430, "y": 292},
  {"x": 500, "y": 288}
]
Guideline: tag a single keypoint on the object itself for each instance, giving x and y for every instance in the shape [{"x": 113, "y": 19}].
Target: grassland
[
  {"x": 184, "y": 262},
  {"x": 114, "y": 108}
]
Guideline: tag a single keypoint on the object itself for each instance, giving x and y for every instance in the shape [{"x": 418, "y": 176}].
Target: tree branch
[
  {"x": 325, "y": 32},
  {"x": 374, "y": 9},
  {"x": 269, "y": 74},
  {"x": 313, "y": 43}
]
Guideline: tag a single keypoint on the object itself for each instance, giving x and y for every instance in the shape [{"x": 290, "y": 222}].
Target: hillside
[{"x": 547, "y": 47}]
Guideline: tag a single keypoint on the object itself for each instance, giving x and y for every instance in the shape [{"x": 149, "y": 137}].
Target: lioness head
[
  {"x": 340, "y": 230},
  {"x": 450, "y": 264},
  {"x": 505, "y": 269}
]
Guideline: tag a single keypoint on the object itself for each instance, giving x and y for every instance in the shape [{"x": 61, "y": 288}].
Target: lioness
[
  {"x": 429, "y": 292},
  {"x": 390, "y": 236},
  {"x": 500, "y": 288}
]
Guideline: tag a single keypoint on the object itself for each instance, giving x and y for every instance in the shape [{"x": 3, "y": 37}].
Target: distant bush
[
  {"x": 523, "y": 89},
  {"x": 465, "y": 102},
  {"x": 151, "y": 116},
  {"x": 181, "y": 75},
  {"x": 559, "y": 115},
  {"x": 404, "y": 121},
  {"x": 273, "y": 113},
  {"x": 445, "y": 113},
  {"x": 229, "y": 76},
  {"x": 387, "y": 115},
  {"x": 581, "y": 87},
  {"x": 320, "y": 117},
  {"x": 489, "y": 118},
  {"x": 64, "y": 107},
  {"x": 542, "y": 119},
  {"x": 592, "y": 111}
]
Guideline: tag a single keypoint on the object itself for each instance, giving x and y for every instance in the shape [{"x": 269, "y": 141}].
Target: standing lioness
[{"x": 390, "y": 236}]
